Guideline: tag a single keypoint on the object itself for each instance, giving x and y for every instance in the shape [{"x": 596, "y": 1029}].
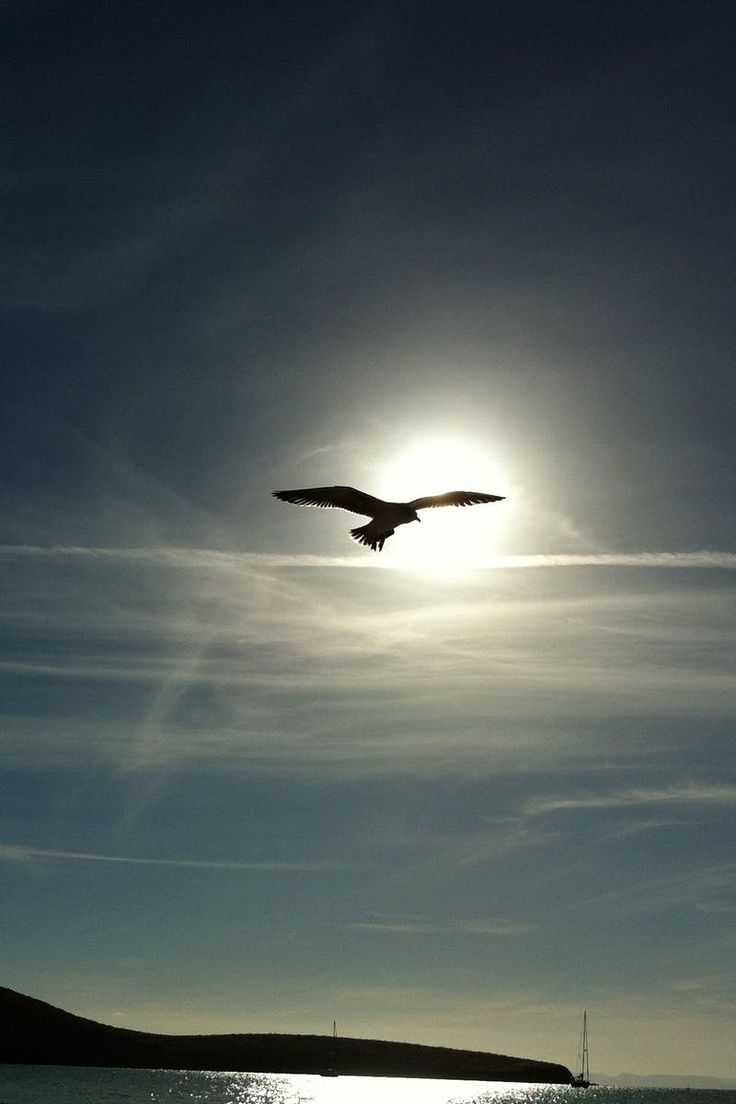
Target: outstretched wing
[
  {"x": 454, "y": 498},
  {"x": 343, "y": 498}
]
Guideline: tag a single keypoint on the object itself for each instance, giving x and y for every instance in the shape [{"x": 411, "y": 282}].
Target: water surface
[{"x": 83, "y": 1085}]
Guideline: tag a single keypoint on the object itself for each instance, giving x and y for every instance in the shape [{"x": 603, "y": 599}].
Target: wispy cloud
[
  {"x": 411, "y": 927},
  {"x": 650, "y": 890},
  {"x": 22, "y": 854},
  {"x": 701, "y": 559},
  {"x": 186, "y": 656},
  {"x": 34, "y": 273},
  {"x": 626, "y": 799},
  {"x": 206, "y": 558}
]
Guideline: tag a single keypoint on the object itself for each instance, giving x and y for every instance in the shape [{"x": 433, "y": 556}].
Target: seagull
[{"x": 385, "y": 516}]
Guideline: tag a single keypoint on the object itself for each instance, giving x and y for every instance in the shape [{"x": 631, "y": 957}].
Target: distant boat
[{"x": 582, "y": 1080}]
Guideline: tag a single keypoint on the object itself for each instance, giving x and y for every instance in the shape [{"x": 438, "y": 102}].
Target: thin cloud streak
[
  {"x": 15, "y": 853},
  {"x": 471, "y": 927},
  {"x": 702, "y": 794},
  {"x": 206, "y": 558}
]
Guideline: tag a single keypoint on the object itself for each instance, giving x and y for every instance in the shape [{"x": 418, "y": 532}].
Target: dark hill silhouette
[{"x": 35, "y": 1033}]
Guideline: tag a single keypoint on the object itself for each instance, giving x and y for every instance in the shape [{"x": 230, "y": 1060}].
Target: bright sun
[{"x": 451, "y": 540}]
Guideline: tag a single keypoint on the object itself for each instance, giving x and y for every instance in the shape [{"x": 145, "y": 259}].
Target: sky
[{"x": 254, "y": 776}]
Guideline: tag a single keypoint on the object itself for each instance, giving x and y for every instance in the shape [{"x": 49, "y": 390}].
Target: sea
[{"x": 84, "y": 1085}]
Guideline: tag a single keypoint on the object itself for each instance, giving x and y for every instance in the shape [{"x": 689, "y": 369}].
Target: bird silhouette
[{"x": 385, "y": 516}]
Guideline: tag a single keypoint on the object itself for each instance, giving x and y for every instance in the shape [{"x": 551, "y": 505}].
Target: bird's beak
[{"x": 419, "y": 519}]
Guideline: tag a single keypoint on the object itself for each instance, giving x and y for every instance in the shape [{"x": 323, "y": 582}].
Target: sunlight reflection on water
[{"x": 76, "y": 1085}]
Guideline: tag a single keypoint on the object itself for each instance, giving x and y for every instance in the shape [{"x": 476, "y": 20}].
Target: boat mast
[{"x": 585, "y": 1065}]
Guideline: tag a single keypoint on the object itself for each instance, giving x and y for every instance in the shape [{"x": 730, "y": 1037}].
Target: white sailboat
[{"x": 582, "y": 1080}]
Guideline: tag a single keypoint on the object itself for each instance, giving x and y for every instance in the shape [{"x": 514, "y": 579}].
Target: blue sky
[{"x": 256, "y": 777}]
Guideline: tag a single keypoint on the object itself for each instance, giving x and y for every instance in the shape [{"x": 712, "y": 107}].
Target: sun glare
[
  {"x": 396, "y": 1090},
  {"x": 452, "y": 540}
]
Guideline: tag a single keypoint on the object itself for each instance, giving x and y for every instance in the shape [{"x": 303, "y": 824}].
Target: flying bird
[{"x": 385, "y": 516}]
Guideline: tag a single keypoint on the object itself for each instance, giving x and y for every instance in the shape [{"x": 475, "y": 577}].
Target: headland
[{"x": 35, "y": 1033}]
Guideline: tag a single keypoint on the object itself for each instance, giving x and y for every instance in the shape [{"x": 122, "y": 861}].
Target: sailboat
[{"x": 582, "y": 1080}]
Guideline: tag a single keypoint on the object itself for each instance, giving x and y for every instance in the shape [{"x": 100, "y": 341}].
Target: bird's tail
[{"x": 364, "y": 534}]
